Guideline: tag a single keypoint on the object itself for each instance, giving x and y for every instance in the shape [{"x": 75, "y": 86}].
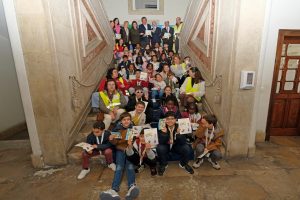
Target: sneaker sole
[
  {"x": 105, "y": 196},
  {"x": 133, "y": 194}
]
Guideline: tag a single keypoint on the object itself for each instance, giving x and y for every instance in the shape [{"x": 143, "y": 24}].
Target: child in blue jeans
[{"x": 122, "y": 163}]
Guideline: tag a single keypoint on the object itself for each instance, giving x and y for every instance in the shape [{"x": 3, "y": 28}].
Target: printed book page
[
  {"x": 185, "y": 126},
  {"x": 151, "y": 136},
  {"x": 85, "y": 146}
]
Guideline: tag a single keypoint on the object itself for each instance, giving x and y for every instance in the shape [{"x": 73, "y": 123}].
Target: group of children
[
  {"x": 155, "y": 82},
  {"x": 134, "y": 153}
]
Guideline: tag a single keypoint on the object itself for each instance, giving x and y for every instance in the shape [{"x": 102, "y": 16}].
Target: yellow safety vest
[
  {"x": 116, "y": 101},
  {"x": 189, "y": 88},
  {"x": 177, "y": 29}
]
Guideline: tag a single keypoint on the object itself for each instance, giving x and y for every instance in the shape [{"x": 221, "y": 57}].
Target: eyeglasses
[{"x": 139, "y": 91}]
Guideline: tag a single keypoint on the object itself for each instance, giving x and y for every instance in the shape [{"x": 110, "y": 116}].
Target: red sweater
[
  {"x": 138, "y": 82},
  {"x": 123, "y": 89}
]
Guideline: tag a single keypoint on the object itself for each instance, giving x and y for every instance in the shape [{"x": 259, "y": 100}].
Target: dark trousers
[
  {"x": 150, "y": 163},
  {"x": 163, "y": 152}
]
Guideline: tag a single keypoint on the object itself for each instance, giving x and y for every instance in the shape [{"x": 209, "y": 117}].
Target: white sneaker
[
  {"x": 214, "y": 164},
  {"x": 112, "y": 166},
  {"x": 83, "y": 173},
  {"x": 198, "y": 163},
  {"x": 132, "y": 193},
  {"x": 109, "y": 195}
]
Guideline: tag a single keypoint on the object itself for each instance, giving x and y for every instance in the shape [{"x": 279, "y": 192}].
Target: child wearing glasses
[
  {"x": 170, "y": 140},
  {"x": 138, "y": 95}
]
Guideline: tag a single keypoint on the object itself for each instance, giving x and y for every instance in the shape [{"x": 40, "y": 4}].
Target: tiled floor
[{"x": 274, "y": 173}]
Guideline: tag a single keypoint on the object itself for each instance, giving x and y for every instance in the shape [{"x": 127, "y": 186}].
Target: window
[{"x": 146, "y": 7}]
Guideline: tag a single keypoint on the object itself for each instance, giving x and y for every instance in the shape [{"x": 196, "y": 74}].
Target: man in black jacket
[
  {"x": 99, "y": 139},
  {"x": 143, "y": 28},
  {"x": 170, "y": 139},
  {"x": 167, "y": 35}
]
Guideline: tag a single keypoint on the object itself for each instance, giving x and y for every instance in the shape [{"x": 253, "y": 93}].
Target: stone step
[{"x": 75, "y": 157}]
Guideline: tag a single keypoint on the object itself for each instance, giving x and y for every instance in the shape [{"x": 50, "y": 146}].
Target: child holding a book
[
  {"x": 208, "y": 142},
  {"x": 121, "y": 162},
  {"x": 138, "y": 116},
  {"x": 140, "y": 153},
  {"x": 170, "y": 139},
  {"x": 99, "y": 139},
  {"x": 193, "y": 114}
]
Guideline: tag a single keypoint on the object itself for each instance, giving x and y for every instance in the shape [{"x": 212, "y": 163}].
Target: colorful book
[
  {"x": 85, "y": 146},
  {"x": 117, "y": 135},
  {"x": 161, "y": 124},
  {"x": 151, "y": 137},
  {"x": 185, "y": 126},
  {"x": 131, "y": 132}
]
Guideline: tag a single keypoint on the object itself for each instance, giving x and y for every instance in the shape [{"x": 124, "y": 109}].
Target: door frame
[{"x": 281, "y": 34}]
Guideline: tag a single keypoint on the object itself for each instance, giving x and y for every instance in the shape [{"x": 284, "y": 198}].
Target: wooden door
[{"x": 284, "y": 108}]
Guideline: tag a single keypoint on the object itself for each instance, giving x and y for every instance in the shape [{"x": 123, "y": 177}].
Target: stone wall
[
  {"x": 62, "y": 41},
  {"x": 231, "y": 34}
]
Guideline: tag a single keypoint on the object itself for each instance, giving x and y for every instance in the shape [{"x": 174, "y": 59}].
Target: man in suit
[
  {"x": 156, "y": 33},
  {"x": 167, "y": 35},
  {"x": 145, "y": 39}
]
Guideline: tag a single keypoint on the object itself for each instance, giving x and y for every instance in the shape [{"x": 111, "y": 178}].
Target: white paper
[
  {"x": 151, "y": 137},
  {"x": 118, "y": 36},
  {"x": 143, "y": 76},
  {"x": 167, "y": 35},
  {"x": 185, "y": 126},
  {"x": 85, "y": 146},
  {"x": 203, "y": 154},
  {"x": 148, "y": 32},
  {"x": 132, "y": 77}
]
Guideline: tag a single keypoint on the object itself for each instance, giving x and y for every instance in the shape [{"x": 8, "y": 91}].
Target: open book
[
  {"x": 131, "y": 132},
  {"x": 185, "y": 126},
  {"x": 85, "y": 146},
  {"x": 151, "y": 137}
]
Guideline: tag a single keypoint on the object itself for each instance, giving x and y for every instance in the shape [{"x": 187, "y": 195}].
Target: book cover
[
  {"x": 185, "y": 126},
  {"x": 85, "y": 146},
  {"x": 143, "y": 76},
  {"x": 151, "y": 137},
  {"x": 131, "y": 132},
  {"x": 161, "y": 124},
  {"x": 117, "y": 135}
]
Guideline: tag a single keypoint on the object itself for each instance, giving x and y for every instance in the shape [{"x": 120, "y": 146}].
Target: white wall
[
  {"x": 11, "y": 109},
  {"x": 279, "y": 15},
  {"x": 172, "y": 9}
]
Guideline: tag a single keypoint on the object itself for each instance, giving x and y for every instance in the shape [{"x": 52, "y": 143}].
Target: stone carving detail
[
  {"x": 198, "y": 35},
  {"x": 90, "y": 34},
  {"x": 202, "y": 34}
]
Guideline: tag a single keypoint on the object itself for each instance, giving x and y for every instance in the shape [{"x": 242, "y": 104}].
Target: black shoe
[
  {"x": 153, "y": 171},
  {"x": 161, "y": 170},
  {"x": 187, "y": 168}
]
